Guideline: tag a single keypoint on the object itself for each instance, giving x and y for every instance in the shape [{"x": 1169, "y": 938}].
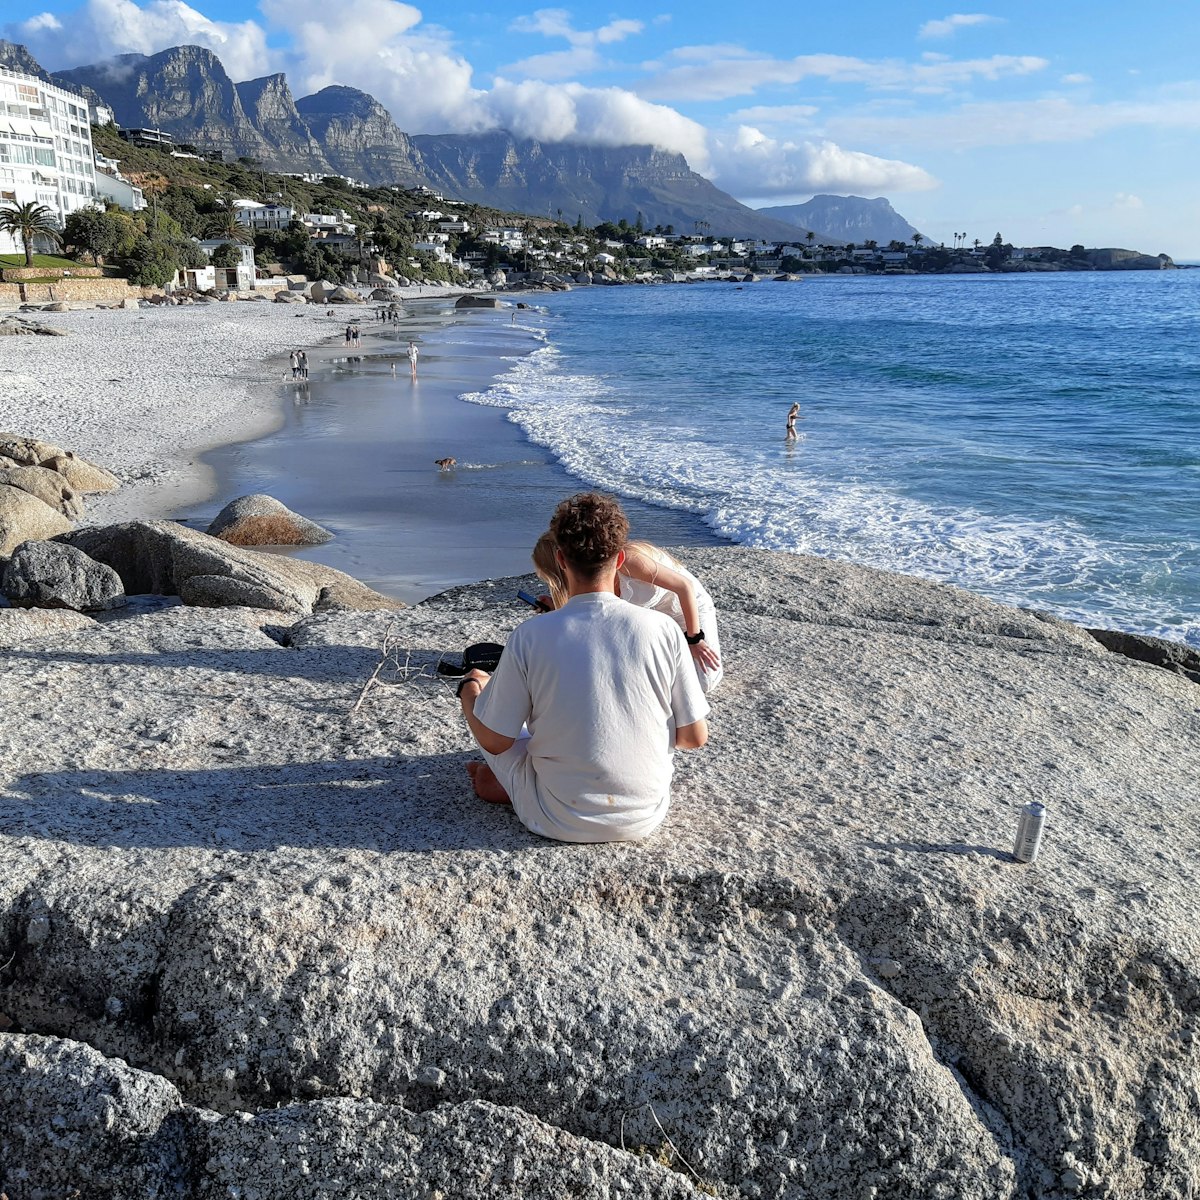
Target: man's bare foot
[{"x": 487, "y": 786}]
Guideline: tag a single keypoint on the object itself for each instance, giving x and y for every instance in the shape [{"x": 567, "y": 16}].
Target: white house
[
  {"x": 454, "y": 226},
  {"x": 45, "y": 148},
  {"x": 263, "y": 217}
]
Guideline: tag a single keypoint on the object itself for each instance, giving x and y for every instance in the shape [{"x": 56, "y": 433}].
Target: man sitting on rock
[{"x": 579, "y": 722}]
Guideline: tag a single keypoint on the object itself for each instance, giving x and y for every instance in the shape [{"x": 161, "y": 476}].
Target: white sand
[{"x": 144, "y": 392}]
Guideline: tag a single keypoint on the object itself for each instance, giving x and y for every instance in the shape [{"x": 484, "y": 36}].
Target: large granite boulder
[
  {"x": 161, "y": 557},
  {"x": 259, "y": 520},
  {"x": 23, "y": 518},
  {"x": 52, "y": 575},
  {"x": 82, "y": 475},
  {"x": 290, "y": 297},
  {"x": 261, "y": 879},
  {"x": 344, "y": 295},
  {"x": 48, "y": 486},
  {"x": 469, "y": 301},
  {"x": 20, "y": 625}
]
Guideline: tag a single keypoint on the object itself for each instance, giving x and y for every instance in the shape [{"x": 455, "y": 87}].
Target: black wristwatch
[
  {"x": 462, "y": 683},
  {"x": 694, "y": 639}
]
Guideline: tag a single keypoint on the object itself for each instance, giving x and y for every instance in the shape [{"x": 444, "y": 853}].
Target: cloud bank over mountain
[{"x": 387, "y": 48}]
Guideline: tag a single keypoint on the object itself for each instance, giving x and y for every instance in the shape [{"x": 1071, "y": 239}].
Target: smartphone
[{"x": 532, "y": 601}]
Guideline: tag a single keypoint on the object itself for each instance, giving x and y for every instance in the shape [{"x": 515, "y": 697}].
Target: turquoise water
[{"x": 1034, "y": 438}]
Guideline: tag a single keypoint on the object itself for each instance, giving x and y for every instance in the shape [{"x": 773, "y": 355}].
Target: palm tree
[
  {"x": 917, "y": 239},
  {"x": 228, "y": 228},
  {"x": 29, "y": 221}
]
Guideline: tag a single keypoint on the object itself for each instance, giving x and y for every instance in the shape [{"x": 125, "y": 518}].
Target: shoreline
[
  {"x": 356, "y": 447},
  {"x": 197, "y": 378}
]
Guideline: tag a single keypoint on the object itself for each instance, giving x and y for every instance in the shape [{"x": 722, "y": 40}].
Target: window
[{"x": 44, "y": 157}]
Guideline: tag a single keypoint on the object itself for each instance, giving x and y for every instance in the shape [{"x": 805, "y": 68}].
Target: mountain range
[
  {"x": 846, "y": 218},
  {"x": 185, "y": 91}
]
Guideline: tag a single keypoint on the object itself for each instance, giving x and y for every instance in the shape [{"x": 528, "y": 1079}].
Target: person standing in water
[
  {"x": 793, "y": 413},
  {"x": 412, "y": 358}
]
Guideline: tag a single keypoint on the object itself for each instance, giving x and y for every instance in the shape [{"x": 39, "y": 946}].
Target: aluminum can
[{"x": 1029, "y": 832}]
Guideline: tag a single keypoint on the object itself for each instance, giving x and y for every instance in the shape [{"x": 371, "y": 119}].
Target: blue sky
[{"x": 1050, "y": 122}]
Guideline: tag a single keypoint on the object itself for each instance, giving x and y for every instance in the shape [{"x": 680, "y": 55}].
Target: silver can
[{"x": 1029, "y": 832}]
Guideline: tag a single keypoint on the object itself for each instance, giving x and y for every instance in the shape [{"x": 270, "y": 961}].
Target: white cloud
[
  {"x": 581, "y": 59},
  {"x": 1076, "y": 78},
  {"x": 557, "y": 64},
  {"x": 556, "y": 23},
  {"x": 104, "y": 28},
  {"x": 1012, "y": 123},
  {"x": 947, "y": 26},
  {"x": 1127, "y": 201},
  {"x": 777, "y": 114},
  {"x": 34, "y": 26},
  {"x": 749, "y": 163},
  {"x": 719, "y": 73},
  {"x": 594, "y": 116}
]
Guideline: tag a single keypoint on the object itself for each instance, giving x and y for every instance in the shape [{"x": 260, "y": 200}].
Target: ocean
[{"x": 1033, "y": 438}]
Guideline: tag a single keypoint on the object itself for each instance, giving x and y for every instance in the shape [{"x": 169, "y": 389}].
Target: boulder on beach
[
  {"x": 13, "y": 326},
  {"x": 48, "y": 486},
  {"x": 259, "y": 934},
  {"x": 290, "y": 297},
  {"x": 470, "y": 301},
  {"x": 344, "y": 295},
  {"x": 23, "y": 518},
  {"x": 383, "y": 293},
  {"x": 53, "y": 575},
  {"x": 167, "y": 559},
  {"x": 259, "y": 520},
  {"x": 80, "y": 474}
]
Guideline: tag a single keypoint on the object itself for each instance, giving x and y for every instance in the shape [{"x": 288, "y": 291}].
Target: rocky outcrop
[
  {"x": 79, "y": 473},
  {"x": 48, "y": 486},
  {"x": 183, "y": 90},
  {"x": 478, "y": 302},
  {"x": 19, "y": 626},
  {"x": 13, "y": 326},
  {"x": 256, "y": 933},
  {"x": 24, "y": 517},
  {"x": 271, "y": 109},
  {"x": 51, "y": 575},
  {"x": 1158, "y": 652},
  {"x": 260, "y": 520},
  {"x": 359, "y": 137},
  {"x": 163, "y": 558}
]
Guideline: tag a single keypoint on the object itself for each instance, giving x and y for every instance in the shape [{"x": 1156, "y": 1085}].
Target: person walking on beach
[
  {"x": 303, "y": 357},
  {"x": 295, "y": 359},
  {"x": 652, "y": 578},
  {"x": 412, "y": 358},
  {"x": 579, "y": 723},
  {"x": 349, "y": 334},
  {"x": 793, "y": 413}
]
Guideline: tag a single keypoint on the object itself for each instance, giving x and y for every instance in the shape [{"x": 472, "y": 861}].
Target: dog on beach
[{"x": 445, "y": 464}]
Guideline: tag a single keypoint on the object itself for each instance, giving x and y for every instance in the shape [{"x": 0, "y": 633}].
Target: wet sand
[{"x": 356, "y": 453}]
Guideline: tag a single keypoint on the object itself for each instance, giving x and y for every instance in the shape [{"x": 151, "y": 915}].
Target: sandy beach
[{"x": 147, "y": 392}]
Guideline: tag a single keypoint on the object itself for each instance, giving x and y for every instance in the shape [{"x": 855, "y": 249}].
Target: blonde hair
[
  {"x": 548, "y": 570},
  {"x": 550, "y": 573},
  {"x": 652, "y": 553}
]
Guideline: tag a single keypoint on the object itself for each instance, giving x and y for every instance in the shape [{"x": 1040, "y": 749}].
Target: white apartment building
[{"x": 45, "y": 148}]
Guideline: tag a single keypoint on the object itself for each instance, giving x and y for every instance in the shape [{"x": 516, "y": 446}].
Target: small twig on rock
[
  {"x": 674, "y": 1148},
  {"x": 389, "y": 655}
]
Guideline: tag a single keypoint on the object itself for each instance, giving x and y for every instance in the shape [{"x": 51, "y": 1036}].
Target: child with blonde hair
[{"x": 651, "y": 578}]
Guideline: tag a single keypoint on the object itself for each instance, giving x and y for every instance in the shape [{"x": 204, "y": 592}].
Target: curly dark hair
[{"x": 589, "y": 529}]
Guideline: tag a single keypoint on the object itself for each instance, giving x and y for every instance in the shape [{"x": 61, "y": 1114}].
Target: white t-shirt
[{"x": 602, "y": 686}]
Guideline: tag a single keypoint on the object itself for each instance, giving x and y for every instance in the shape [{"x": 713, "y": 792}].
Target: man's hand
[
  {"x": 473, "y": 676},
  {"x": 489, "y": 739}
]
